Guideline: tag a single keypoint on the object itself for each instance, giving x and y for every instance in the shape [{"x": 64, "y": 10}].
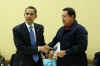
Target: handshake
[{"x": 46, "y": 50}]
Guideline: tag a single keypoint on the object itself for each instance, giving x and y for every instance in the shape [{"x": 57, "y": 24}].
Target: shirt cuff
[{"x": 38, "y": 49}]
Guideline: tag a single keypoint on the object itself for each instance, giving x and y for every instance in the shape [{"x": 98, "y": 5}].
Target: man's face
[
  {"x": 30, "y": 15},
  {"x": 66, "y": 18}
]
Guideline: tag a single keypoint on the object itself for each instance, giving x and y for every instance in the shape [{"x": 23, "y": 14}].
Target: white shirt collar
[{"x": 29, "y": 26}]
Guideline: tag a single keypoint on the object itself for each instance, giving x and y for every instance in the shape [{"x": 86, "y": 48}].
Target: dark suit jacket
[
  {"x": 22, "y": 42},
  {"x": 74, "y": 41},
  {"x": 97, "y": 59}
]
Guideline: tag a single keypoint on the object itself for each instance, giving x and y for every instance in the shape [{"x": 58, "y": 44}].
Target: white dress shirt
[
  {"x": 33, "y": 29},
  {"x": 28, "y": 26}
]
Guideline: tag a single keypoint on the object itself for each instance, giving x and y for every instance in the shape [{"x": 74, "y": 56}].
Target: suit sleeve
[
  {"x": 41, "y": 39},
  {"x": 19, "y": 43},
  {"x": 55, "y": 40},
  {"x": 81, "y": 41}
]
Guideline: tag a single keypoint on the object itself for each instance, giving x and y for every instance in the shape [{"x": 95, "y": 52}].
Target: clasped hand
[
  {"x": 44, "y": 48},
  {"x": 61, "y": 54}
]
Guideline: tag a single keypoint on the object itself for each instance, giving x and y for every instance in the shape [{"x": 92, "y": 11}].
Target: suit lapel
[
  {"x": 26, "y": 32},
  {"x": 36, "y": 30}
]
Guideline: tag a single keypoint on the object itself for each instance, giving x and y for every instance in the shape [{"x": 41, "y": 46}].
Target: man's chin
[
  {"x": 64, "y": 23},
  {"x": 29, "y": 22}
]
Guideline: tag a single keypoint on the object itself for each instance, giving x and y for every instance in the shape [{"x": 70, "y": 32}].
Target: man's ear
[
  {"x": 24, "y": 14},
  {"x": 73, "y": 16},
  {"x": 36, "y": 16}
]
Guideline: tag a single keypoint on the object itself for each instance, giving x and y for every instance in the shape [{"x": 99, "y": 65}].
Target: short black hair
[
  {"x": 31, "y": 7},
  {"x": 71, "y": 11}
]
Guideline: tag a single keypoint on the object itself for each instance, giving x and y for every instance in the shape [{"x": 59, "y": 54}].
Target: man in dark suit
[
  {"x": 73, "y": 39},
  {"x": 29, "y": 41}
]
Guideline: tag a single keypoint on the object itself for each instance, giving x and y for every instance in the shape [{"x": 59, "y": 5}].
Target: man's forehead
[
  {"x": 64, "y": 13},
  {"x": 30, "y": 10}
]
